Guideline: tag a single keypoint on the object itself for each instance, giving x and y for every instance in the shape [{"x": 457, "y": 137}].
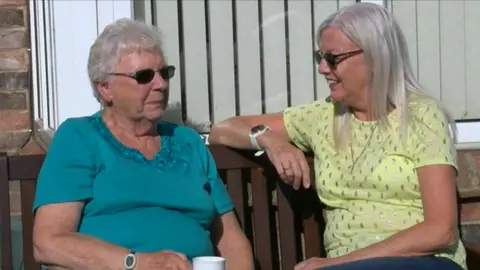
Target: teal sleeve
[
  {"x": 68, "y": 170},
  {"x": 220, "y": 196}
]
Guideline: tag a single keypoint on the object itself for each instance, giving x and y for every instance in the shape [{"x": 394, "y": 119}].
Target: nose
[{"x": 324, "y": 68}]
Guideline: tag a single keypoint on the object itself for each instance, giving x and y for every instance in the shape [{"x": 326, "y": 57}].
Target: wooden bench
[{"x": 284, "y": 226}]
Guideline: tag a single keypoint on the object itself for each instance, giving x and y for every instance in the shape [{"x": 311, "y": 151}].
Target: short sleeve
[
  {"x": 218, "y": 191},
  {"x": 432, "y": 142},
  {"x": 299, "y": 122},
  {"x": 68, "y": 170}
]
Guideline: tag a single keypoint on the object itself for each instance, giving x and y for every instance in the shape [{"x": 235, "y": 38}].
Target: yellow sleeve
[
  {"x": 300, "y": 123},
  {"x": 432, "y": 141}
]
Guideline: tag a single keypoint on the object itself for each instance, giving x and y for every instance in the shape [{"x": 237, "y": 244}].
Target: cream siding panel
[
  {"x": 452, "y": 42},
  {"x": 302, "y": 65},
  {"x": 222, "y": 60},
  {"x": 274, "y": 56},
  {"x": 248, "y": 63},
  {"x": 472, "y": 58}
]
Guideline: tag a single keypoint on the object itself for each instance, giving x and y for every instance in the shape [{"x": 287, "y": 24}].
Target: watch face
[
  {"x": 259, "y": 128},
  {"x": 130, "y": 261}
]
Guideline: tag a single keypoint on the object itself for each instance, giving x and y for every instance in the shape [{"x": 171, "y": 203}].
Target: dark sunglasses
[
  {"x": 334, "y": 59},
  {"x": 145, "y": 76}
]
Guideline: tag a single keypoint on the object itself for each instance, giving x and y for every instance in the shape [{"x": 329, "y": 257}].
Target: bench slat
[
  {"x": 312, "y": 238},
  {"x": 236, "y": 189},
  {"x": 261, "y": 215},
  {"x": 286, "y": 229},
  {"x": 27, "y": 194},
  {"x": 5, "y": 220}
]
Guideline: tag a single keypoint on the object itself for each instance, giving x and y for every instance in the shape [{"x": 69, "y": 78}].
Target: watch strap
[
  {"x": 253, "y": 136},
  {"x": 254, "y": 143}
]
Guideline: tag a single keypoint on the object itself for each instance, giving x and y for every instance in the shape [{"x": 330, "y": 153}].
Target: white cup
[{"x": 209, "y": 263}]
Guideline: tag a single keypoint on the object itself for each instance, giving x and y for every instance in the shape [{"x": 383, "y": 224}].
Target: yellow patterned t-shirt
[{"x": 371, "y": 188}]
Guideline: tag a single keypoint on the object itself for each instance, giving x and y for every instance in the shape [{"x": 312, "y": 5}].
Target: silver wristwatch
[
  {"x": 130, "y": 261},
  {"x": 255, "y": 132}
]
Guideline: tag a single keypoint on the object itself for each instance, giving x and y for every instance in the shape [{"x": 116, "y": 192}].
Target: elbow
[
  {"x": 43, "y": 248},
  {"x": 214, "y": 135},
  {"x": 40, "y": 249},
  {"x": 217, "y": 132},
  {"x": 448, "y": 240},
  {"x": 444, "y": 236}
]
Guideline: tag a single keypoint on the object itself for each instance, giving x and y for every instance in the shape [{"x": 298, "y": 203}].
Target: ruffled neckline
[{"x": 170, "y": 156}]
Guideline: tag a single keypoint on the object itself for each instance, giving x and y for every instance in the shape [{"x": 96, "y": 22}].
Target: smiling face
[
  {"x": 347, "y": 79},
  {"x": 134, "y": 100}
]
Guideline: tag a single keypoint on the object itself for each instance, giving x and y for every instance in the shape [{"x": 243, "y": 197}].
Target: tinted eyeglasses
[
  {"x": 334, "y": 59},
  {"x": 145, "y": 76}
]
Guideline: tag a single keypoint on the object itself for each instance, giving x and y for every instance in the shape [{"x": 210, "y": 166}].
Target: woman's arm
[
  {"x": 289, "y": 161},
  {"x": 234, "y": 131},
  {"x": 57, "y": 243},
  {"x": 436, "y": 232},
  {"x": 231, "y": 243}
]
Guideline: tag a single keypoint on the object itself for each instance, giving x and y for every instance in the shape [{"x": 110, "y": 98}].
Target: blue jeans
[{"x": 398, "y": 263}]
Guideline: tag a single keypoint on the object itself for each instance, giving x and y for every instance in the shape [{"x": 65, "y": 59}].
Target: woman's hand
[
  {"x": 163, "y": 260},
  {"x": 289, "y": 161},
  {"x": 315, "y": 263}
]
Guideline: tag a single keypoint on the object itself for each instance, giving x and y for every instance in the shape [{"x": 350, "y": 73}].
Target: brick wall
[
  {"x": 14, "y": 79},
  {"x": 15, "y": 133},
  {"x": 468, "y": 183}
]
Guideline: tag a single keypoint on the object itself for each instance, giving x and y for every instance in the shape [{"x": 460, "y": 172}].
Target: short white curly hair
[{"x": 121, "y": 37}]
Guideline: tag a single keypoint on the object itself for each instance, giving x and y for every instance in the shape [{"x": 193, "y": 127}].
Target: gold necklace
[{"x": 367, "y": 145}]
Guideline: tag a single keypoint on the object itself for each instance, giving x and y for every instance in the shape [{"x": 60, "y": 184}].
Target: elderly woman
[
  {"x": 384, "y": 156},
  {"x": 122, "y": 189}
]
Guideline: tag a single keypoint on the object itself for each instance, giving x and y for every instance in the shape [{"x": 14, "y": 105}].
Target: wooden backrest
[
  {"x": 24, "y": 169},
  {"x": 283, "y": 226},
  {"x": 6, "y": 237}
]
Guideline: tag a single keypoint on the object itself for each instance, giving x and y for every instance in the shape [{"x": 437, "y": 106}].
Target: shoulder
[
  {"x": 318, "y": 110},
  {"x": 75, "y": 127},
  {"x": 181, "y": 134},
  {"x": 313, "y": 108},
  {"x": 426, "y": 108},
  {"x": 178, "y": 131},
  {"x": 429, "y": 120}
]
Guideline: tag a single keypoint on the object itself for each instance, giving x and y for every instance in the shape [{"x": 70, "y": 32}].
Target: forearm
[
  {"x": 74, "y": 251},
  {"x": 418, "y": 240},
  {"x": 231, "y": 132},
  {"x": 239, "y": 258}
]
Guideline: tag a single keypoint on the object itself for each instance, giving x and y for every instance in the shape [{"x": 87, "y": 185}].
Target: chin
[
  {"x": 154, "y": 116},
  {"x": 337, "y": 97}
]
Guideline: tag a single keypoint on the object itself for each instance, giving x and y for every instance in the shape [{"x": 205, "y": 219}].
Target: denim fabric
[{"x": 398, "y": 263}]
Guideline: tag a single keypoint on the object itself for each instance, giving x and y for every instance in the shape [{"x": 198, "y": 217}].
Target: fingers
[
  {"x": 305, "y": 173},
  {"x": 300, "y": 266},
  {"x": 291, "y": 165},
  {"x": 175, "y": 260},
  {"x": 309, "y": 264},
  {"x": 180, "y": 255},
  {"x": 182, "y": 261},
  {"x": 185, "y": 265},
  {"x": 293, "y": 173}
]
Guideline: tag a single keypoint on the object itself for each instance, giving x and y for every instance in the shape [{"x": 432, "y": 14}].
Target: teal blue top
[{"x": 143, "y": 205}]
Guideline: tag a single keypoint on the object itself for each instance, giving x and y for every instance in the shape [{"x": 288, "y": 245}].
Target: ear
[{"x": 105, "y": 91}]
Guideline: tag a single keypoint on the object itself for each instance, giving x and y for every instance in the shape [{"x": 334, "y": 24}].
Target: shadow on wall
[{"x": 175, "y": 115}]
